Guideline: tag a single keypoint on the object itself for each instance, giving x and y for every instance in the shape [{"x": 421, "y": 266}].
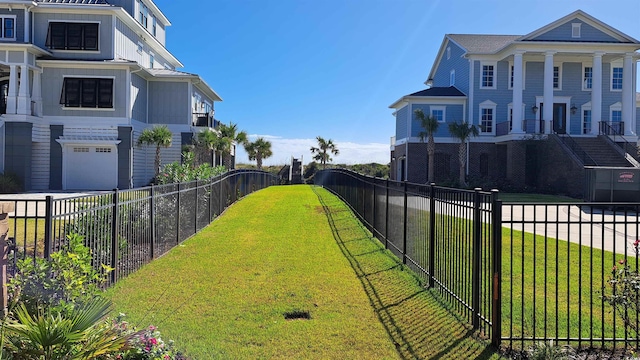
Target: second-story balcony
[
  {"x": 528, "y": 127},
  {"x": 204, "y": 120}
]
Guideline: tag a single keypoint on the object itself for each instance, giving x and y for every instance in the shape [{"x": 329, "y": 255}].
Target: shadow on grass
[{"x": 416, "y": 320}]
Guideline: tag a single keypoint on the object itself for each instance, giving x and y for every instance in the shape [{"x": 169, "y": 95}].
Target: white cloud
[{"x": 350, "y": 153}]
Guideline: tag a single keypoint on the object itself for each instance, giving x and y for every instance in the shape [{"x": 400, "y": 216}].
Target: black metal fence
[
  {"x": 129, "y": 228},
  {"x": 445, "y": 235},
  {"x": 518, "y": 272}
]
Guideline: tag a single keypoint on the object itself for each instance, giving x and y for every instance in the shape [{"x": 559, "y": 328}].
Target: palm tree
[
  {"x": 229, "y": 136},
  {"x": 429, "y": 125},
  {"x": 258, "y": 150},
  {"x": 324, "y": 150},
  {"x": 160, "y": 136},
  {"x": 462, "y": 131},
  {"x": 211, "y": 141}
]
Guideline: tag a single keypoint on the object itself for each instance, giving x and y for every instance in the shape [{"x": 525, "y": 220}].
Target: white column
[
  {"x": 628, "y": 97},
  {"x": 27, "y": 25},
  {"x": 37, "y": 92},
  {"x": 596, "y": 93},
  {"x": 516, "y": 125},
  {"x": 12, "y": 97},
  {"x": 24, "y": 99},
  {"x": 547, "y": 111}
]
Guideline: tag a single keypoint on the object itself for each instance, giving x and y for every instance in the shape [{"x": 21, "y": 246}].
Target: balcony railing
[
  {"x": 614, "y": 128},
  {"x": 528, "y": 126},
  {"x": 204, "y": 120}
]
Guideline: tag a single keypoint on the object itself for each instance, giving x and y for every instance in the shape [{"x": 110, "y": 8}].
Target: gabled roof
[
  {"x": 439, "y": 91},
  {"x": 433, "y": 92},
  {"x": 581, "y": 15},
  {"x": 482, "y": 44}
]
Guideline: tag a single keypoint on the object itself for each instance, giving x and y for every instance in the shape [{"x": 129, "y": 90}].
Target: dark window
[
  {"x": 87, "y": 93},
  {"x": 9, "y": 31},
  {"x": 72, "y": 36}
]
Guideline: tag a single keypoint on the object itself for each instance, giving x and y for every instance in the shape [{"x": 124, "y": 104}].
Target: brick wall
[{"x": 531, "y": 166}]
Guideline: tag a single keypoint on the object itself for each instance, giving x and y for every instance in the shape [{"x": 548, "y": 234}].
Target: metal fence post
[
  {"x": 432, "y": 234},
  {"x": 404, "y": 232},
  {"x": 477, "y": 256},
  {"x": 386, "y": 217},
  {"x": 114, "y": 237},
  {"x": 195, "y": 213},
  {"x": 152, "y": 219},
  {"x": 178, "y": 216},
  {"x": 210, "y": 200},
  {"x": 496, "y": 311},
  {"x": 375, "y": 209},
  {"x": 48, "y": 223}
]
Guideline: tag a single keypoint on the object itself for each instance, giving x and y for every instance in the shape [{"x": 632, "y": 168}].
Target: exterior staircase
[{"x": 602, "y": 152}]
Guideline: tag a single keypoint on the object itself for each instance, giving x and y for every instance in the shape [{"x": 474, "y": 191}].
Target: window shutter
[
  {"x": 89, "y": 90},
  {"x": 71, "y": 92},
  {"x": 56, "y": 36},
  {"x": 74, "y": 36},
  {"x": 105, "y": 96},
  {"x": 91, "y": 36}
]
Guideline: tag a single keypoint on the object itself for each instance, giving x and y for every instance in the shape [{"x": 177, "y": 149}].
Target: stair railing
[
  {"x": 577, "y": 150},
  {"x": 619, "y": 142}
]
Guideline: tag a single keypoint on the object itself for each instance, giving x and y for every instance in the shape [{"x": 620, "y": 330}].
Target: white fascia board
[
  {"x": 102, "y": 123},
  {"x": 83, "y": 64},
  {"x": 399, "y": 104},
  {"x": 441, "y": 52},
  {"x": 607, "y": 29},
  {"x": 205, "y": 88},
  {"x": 36, "y": 50},
  {"x": 437, "y": 100},
  {"x": 158, "y": 13},
  {"x": 156, "y": 46},
  {"x": 439, "y": 56}
]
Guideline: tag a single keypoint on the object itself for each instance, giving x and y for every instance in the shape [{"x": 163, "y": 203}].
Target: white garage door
[{"x": 91, "y": 167}]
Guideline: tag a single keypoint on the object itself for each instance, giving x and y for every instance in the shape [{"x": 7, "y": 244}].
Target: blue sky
[{"x": 291, "y": 70}]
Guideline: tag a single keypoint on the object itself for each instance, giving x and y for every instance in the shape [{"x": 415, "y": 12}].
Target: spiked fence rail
[{"x": 129, "y": 228}]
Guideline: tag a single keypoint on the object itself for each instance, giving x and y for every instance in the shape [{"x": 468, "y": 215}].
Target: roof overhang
[
  {"x": 434, "y": 99},
  {"x": 615, "y": 33},
  {"x": 29, "y": 47},
  {"x": 87, "y": 140},
  {"x": 87, "y": 64}
]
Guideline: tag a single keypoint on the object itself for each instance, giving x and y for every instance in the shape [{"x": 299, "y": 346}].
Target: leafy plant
[
  {"x": 67, "y": 280},
  {"x": 10, "y": 183},
  {"x": 551, "y": 351},
  {"x": 145, "y": 344},
  {"x": 624, "y": 295},
  {"x": 324, "y": 150},
  {"x": 79, "y": 334}
]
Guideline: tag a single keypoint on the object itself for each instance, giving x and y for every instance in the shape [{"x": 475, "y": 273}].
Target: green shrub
[
  {"x": 10, "y": 184},
  {"x": 58, "y": 285}
]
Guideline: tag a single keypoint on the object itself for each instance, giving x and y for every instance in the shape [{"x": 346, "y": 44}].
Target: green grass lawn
[
  {"x": 224, "y": 293},
  {"x": 551, "y": 288}
]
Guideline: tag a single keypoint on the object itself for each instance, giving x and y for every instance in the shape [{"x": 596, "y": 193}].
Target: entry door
[{"x": 560, "y": 118}]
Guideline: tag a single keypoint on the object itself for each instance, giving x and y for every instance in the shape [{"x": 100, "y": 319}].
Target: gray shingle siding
[
  {"x": 563, "y": 33},
  {"x": 402, "y": 117},
  {"x": 169, "y": 103},
  {"x": 456, "y": 62},
  {"x": 453, "y": 113},
  {"x": 19, "y": 24}
]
